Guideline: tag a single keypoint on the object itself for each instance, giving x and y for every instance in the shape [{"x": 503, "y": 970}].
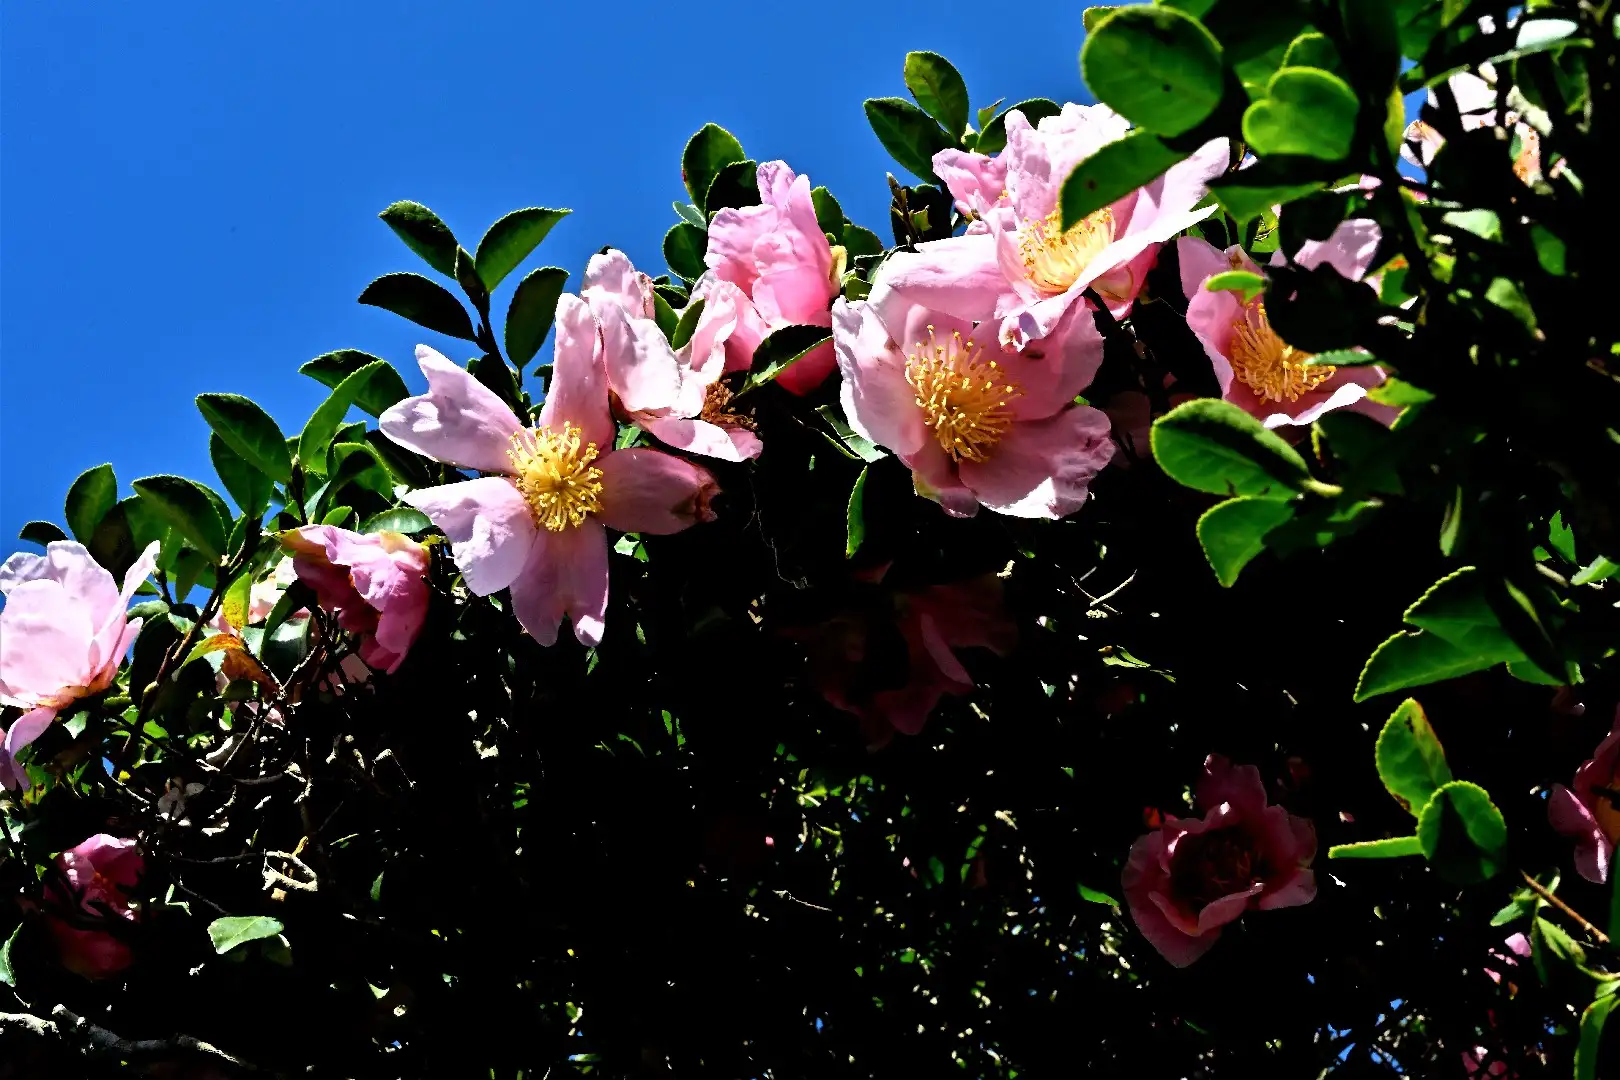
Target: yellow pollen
[
  {"x": 553, "y": 470},
  {"x": 962, "y": 395},
  {"x": 1273, "y": 369},
  {"x": 1055, "y": 259},
  {"x": 717, "y": 409}
]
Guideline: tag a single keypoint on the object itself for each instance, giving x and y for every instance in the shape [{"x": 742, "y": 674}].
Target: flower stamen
[
  {"x": 1054, "y": 258},
  {"x": 717, "y": 409},
  {"x": 963, "y": 395},
  {"x": 1272, "y": 368},
  {"x": 553, "y": 471}
]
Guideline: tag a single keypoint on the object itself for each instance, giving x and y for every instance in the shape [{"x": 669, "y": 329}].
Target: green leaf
[
  {"x": 401, "y": 519},
  {"x": 1090, "y": 17},
  {"x": 8, "y": 972},
  {"x": 1394, "y": 847},
  {"x": 856, "y": 517},
  {"x": 424, "y": 234},
  {"x": 1113, "y": 172},
  {"x": 511, "y": 240},
  {"x": 1600, "y": 569},
  {"x": 185, "y": 506},
  {"x": 1233, "y": 532},
  {"x": 1506, "y": 294},
  {"x": 1306, "y": 112},
  {"x": 1244, "y": 199},
  {"x": 939, "y": 89},
  {"x": 248, "y": 430},
  {"x": 1399, "y": 394},
  {"x": 421, "y": 301},
  {"x": 1407, "y": 659},
  {"x": 688, "y": 212},
  {"x": 1096, "y": 896},
  {"x": 1312, "y": 49},
  {"x": 1215, "y": 446},
  {"x": 859, "y": 241},
  {"x": 337, "y": 515},
  {"x": 532, "y": 311},
  {"x": 93, "y": 494},
  {"x": 706, "y": 153},
  {"x": 237, "y": 599},
  {"x": 687, "y": 326},
  {"x": 1463, "y": 834},
  {"x": 1156, "y": 66},
  {"x": 664, "y": 316},
  {"x": 323, "y": 425},
  {"x": 1482, "y": 223},
  {"x": 684, "y": 246},
  {"x": 780, "y": 349},
  {"x": 1411, "y": 761},
  {"x": 909, "y": 135},
  {"x": 381, "y": 391},
  {"x": 1246, "y": 282},
  {"x": 41, "y": 533},
  {"x": 734, "y": 185},
  {"x": 248, "y": 486},
  {"x": 357, "y": 463},
  {"x": 994, "y": 136},
  {"x": 1591, "y": 1041},
  {"x": 234, "y": 930},
  {"x": 471, "y": 284},
  {"x": 829, "y": 215},
  {"x": 1457, "y": 608}
]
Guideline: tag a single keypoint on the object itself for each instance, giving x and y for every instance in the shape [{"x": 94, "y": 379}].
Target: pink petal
[
  {"x": 1570, "y": 817},
  {"x": 611, "y": 280},
  {"x": 1143, "y": 879},
  {"x": 1039, "y": 159},
  {"x": 459, "y": 420},
  {"x": 797, "y": 242},
  {"x": 28, "y": 727},
  {"x": 704, "y": 356},
  {"x": 490, "y": 526},
  {"x": 732, "y": 235},
  {"x": 973, "y": 180},
  {"x": 1043, "y": 468},
  {"x": 794, "y": 295},
  {"x": 1181, "y": 188},
  {"x": 959, "y": 276},
  {"x": 1350, "y": 250},
  {"x": 641, "y": 367},
  {"x": 939, "y": 651},
  {"x": 878, "y": 401},
  {"x": 649, "y": 491},
  {"x": 810, "y": 370},
  {"x": 578, "y": 391},
  {"x": 1223, "y": 782},
  {"x": 702, "y": 437},
  {"x": 1199, "y": 261},
  {"x": 1217, "y": 913},
  {"x": 566, "y": 574},
  {"x": 45, "y": 642},
  {"x": 1299, "y": 889},
  {"x": 935, "y": 477},
  {"x": 1053, "y": 370}
]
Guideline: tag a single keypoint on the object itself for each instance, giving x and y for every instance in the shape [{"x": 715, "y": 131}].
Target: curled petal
[
  {"x": 459, "y": 421},
  {"x": 490, "y": 526},
  {"x": 649, "y": 491}
]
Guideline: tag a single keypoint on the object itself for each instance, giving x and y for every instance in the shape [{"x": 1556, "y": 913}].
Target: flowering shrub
[{"x": 1142, "y": 622}]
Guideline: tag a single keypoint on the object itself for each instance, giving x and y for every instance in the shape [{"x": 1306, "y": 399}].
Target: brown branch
[
  {"x": 95, "y": 1041},
  {"x": 1542, "y": 891}
]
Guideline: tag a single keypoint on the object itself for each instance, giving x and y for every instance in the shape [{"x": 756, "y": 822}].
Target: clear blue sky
[{"x": 188, "y": 191}]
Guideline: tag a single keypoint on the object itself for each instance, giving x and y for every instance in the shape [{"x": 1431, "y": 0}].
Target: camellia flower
[
  {"x": 977, "y": 429},
  {"x": 63, "y": 633},
  {"x": 676, "y": 395},
  {"x": 372, "y": 582},
  {"x": 1476, "y": 107},
  {"x": 262, "y": 599},
  {"x": 536, "y": 524},
  {"x": 977, "y": 182},
  {"x": 1258, "y": 371},
  {"x": 1024, "y": 266},
  {"x": 101, "y": 876},
  {"x": 778, "y": 256},
  {"x": 1588, "y": 813},
  {"x": 1192, "y": 876}
]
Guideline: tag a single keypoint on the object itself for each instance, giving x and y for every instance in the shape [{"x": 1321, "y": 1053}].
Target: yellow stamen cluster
[
  {"x": 1273, "y": 369},
  {"x": 1053, "y": 258},
  {"x": 553, "y": 470},
  {"x": 717, "y": 409},
  {"x": 963, "y": 395}
]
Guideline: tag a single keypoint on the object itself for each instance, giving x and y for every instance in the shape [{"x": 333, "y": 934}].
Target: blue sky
[{"x": 189, "y": 191}]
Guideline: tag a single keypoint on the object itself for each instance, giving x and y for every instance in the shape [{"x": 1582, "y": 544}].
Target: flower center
[
  {"x": 717, "y": 409},
  {"x": 1055, "y": 259},
  {"x": 963, "y": 395},
  {"x": 1604, "y": 809},
  {"x": 1272, "y": 368},
  {"x": 1207, "y": 866},
  {"x": 554, "y": 472}
]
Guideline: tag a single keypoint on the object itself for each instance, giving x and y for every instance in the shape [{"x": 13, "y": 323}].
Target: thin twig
[{"x": 1541, "y": 891}]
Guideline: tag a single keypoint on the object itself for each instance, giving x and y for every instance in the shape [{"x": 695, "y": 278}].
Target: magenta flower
[
  {"x": 675, "y": 395},
  {"x": 778, "y": 256},
  {"x": 997, "y": 430},
  {"x": 1588, "y": 813},
  {"x": 101, "y": 875},
  {"x": 535, "y": 525},
  {"x": 1192, "y": 876},
  {"x": 1024, "y": 267},
  {"x": 374, "y": 583},
  {"x": 1258, "y": 371},
  {"x": 63, "y": 633}
]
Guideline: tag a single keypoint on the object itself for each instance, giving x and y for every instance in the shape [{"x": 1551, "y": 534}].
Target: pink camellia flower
[
  {"x": 1588, "y": 813},
  {"x": 1258, "y": 371},
  {"x": 1192, "y": 876},
  {"x": 63, "y": 633},
  {"x": 1475, "y": 1067},
  {"x": 675, "y": 395},
  {"x": 374, "y": 583},
  {"x": 536, "y": 524},
  {"x": 101, "y": 875},
  {"x": 262, "y": 600},
  {"x": 998, "y": 430},
  {"x": 1024, "y": 266},
  {"x": 977, "y": 182},
  {"x": 778, "y": 256}
]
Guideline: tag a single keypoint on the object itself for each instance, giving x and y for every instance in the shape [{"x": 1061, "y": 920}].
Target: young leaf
[
  {"x": 424, "y": 234},
  {"x": 185, "y": 506},
  {"x": 1407, "y": 659},
  {"x": 41, "y": 533},
  {"x": 688, "y": 212},
  {"x": 511, "y": 240},
  {"x": 1393, "y": 847},
  {"x": 706, "y": 153},
  {"x": 250, "y": 488},
  {"x": 1113, "y": 172},
  {"x": 1214, "y": 446},
  {"x": 234, "y": 930},
  {"x": 421, "y": 301},
  {"x": 93, "y": 494},
  {"x": 1463, "y": 834},
  {"x": 1306, "y": 112},
  {"x": 249, "y": 431},
  {"x": 533, "y": 307},
  {"x": 1411, "y": 761},
  {"x": 1156, "y": 66},
  {"x": 684, "y": 246},
  {"x": 909, "y": 135},
  {"x": 384, "y": 388},
  {"x": 1233, "y": 532},
  {"x": 855, "y": 535},
  {"x": 939, "y": 89}
]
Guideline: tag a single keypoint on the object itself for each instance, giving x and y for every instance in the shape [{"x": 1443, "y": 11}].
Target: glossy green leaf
[
  {"x": 422, "y": 301},
  {"x": 734, "y": 185},
  {"x": 1246, "y": 282},
  {"x": 237, "y": 599},
  {"x": 1113, "y": 172},
  {"x": 855, "y": 519},
  {"x": 1414, "y": 659},
  {"x": 1090, "y": 17},
  {"x": 684, "y": 246},
  {"x": 380, "y": 391},
  {"x": 401, "y": 519},
  {"x": 1411, "y": 761},
  {"x": 1233, "y": 532},
  {"x": 1463, "y": 834},
  {"x": 780, "y": 349},
  {"x": 1306, "y": 112},
  {"x": 1215, "y": 446},
  {"x": 424, "y": 234},
  {"x": 532, "y": 311},
  {"x": 687, "y": 324},
  {"x": 1456, "y": 608},
  {"x": 688, "y": 212},
  {"x": 248, "y": 430},
  {"x": 706, "y": 153},
  {"x": 993, "y": 138},
  {"x": 1394, "y": 847},
  {"x": 1156, "y": 66},
  {"x": 8, "y": 971},
  {"x": 829, "y": 215},
  {"x": 939, "y": 89},
  {"x": 1312, "y": 49},
  {"x": 511, "y": 240},
  {"x": 41, "y": 533},
  {"x": 1591, "y": 1040},
  {"x": 251, "y": 488},
  {"x": 1599, "y": 569},
  {"x": 911, "y": 136},
  {"x": 89, "y": 498},
  {"x": 185, "y": 506},
  {"x": 323, "y": 425},
  {"x": 233, "y": 931},
  {"x": 859, "y": 241}
]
